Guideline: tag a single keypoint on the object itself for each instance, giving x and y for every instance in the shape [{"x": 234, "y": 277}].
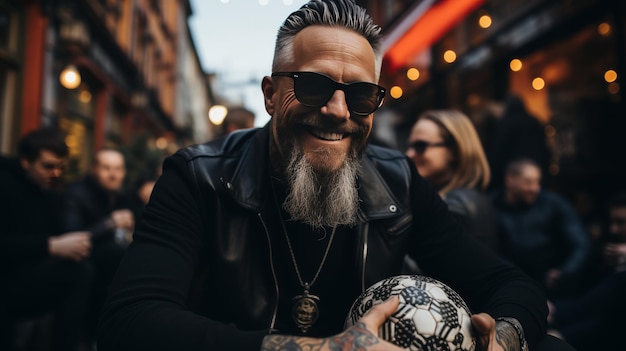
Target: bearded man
[{"x": 262, "y": 240}]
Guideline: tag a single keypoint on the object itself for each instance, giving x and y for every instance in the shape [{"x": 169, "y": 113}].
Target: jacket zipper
[
  {"x": 269, "y": 243},
  {"x": 400, "y": 225}
]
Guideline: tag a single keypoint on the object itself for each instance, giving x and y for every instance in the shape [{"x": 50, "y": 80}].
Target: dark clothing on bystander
[
  {"x": 36, "y": 283},
  {"x": 87, "y": 206},
  {"x": 545, "y": 235},
  {"x": 476, "y": 213}
]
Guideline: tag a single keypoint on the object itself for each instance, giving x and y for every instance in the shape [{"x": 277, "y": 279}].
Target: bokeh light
[
  {"x": 538, "y": 83},
  {"x": 217, "y": 113},
  {"x": 484, "y": 21},
  {"x": 449, "y": 56},
  {"x": 610, "y": 76},
  {"x": 396, "y": 92},
  {"x": 70, "y": 78},
  {"x": 604, "y": 29},
  {"x": 413, "y": 73},
  {"x": 516, "y": 65}
]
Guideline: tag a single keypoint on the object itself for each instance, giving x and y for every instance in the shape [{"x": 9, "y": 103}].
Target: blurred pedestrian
[
  {"x": 43, "y": 268},
  {"x": 446, "y": 150},
  {"x": 237, "y": 118},
  {"x": 540, "y": 231},
  {"x": 98, "y": 204},
  {"x": 517, "y": 134},
  {"x": 595, "y": 320}
]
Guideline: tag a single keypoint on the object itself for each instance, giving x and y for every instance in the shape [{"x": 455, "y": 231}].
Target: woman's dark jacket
[
  {"x": 201, "y": 274},
  {"x": 476, "y": 213}
]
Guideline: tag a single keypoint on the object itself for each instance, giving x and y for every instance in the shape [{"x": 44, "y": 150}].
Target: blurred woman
[{"x": 446, "y": 150}]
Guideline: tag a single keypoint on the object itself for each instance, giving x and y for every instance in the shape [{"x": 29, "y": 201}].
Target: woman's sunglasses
[
  {"x": 315, "y": 90},
  {"x": 420, "y": 146}
]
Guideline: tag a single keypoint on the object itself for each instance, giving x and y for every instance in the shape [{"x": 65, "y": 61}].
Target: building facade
[
  {"x": 564, "y": 58},
  {"x": 104, "y": 71}
]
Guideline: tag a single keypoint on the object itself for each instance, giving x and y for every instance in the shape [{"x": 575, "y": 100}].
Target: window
[{"x": 10, "y": 34}]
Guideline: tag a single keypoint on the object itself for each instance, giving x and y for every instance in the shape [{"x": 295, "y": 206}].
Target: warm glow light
[
  {"x": 217, "y": 113},
  {"x": 516, "y": 65},
  {"x": 538, "y": 84},
  {"x": 161, "y": 143},
  {"x": 449, "y": 56},
  {"x": 484, "y": 21},
  {"x": 70, "y": 78},
  {"x": 604, "y": 29},
  {"x": 84, "y": 96},
  {"x": 71, "y": 141},
  {"x": 610, "y": 76},
  {"x": 395, "y": 92},
  {"x": 613, "y": 88},
  {"x": 428, "y": 29},
  {"x": 413, "y": 73}
]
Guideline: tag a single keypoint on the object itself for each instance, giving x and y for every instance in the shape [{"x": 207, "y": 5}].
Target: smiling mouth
[{"x": 329, "y": 136}]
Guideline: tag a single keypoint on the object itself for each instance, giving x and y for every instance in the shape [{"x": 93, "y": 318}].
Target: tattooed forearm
[
  {"x": 507, "y": 337},
  {"x": 291, "y": 343},
  {"x": 356, "y": 338}
]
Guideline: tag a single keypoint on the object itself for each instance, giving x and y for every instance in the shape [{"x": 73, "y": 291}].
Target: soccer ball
[{"x": 431, "y": 316}]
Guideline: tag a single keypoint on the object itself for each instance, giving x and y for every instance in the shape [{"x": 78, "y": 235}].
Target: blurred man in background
[
  {"x": 43, "y": 268},
  {"x": 237, "y": 118},
  {"x": 539, "y": 231},
  {"x": 98, "y": 204}
]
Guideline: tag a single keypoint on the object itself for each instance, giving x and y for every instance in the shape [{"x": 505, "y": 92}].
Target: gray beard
[{"x": 322, "y": 199}]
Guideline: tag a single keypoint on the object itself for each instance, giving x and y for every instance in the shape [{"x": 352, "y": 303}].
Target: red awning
[{"x": 402, "y": 44}]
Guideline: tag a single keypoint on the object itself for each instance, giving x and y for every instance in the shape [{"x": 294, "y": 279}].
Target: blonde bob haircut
[{"x": 470, "y": 167}]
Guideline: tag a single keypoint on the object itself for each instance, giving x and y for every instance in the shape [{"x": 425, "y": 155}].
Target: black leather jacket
[
  {"x": 242, "y": 186},
  {"x": 200, "y": 272}
]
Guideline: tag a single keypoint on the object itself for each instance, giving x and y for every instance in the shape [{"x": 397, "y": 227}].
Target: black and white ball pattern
[{"x": 431, "y": 316}]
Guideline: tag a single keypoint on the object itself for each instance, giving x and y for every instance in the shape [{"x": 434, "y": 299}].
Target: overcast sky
[{"x": 235, "y": 39}]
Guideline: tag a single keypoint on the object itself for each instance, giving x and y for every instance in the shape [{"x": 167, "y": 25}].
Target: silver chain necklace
[{"x": 305, "y": 311}]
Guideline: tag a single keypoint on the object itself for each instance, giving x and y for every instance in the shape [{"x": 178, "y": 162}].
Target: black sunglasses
[
  {"x": 315, "y": 90},
  {"x": 420, "y": 146}
]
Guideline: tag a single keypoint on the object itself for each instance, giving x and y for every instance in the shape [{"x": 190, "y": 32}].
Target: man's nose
[
  {"x": 57, "y": 172},
  {"x": 337, "y": 107}
]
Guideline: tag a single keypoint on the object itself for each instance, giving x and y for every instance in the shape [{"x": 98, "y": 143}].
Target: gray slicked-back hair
[{"x": 340, "y": 13}]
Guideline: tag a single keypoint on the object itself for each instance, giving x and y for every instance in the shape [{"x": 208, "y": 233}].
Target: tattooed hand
[
  {"x": 363, "y": 336},
  {"x": 492, "y": 336}
]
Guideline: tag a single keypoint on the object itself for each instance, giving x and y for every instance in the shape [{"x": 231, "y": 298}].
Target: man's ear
[{"x": 267, "y": 86}]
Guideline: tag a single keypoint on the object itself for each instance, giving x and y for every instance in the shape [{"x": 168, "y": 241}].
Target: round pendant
[{"x": 305, "y": 311}]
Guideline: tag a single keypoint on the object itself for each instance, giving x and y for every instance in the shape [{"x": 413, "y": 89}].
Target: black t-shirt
[{"x": 335, "y": 285}]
